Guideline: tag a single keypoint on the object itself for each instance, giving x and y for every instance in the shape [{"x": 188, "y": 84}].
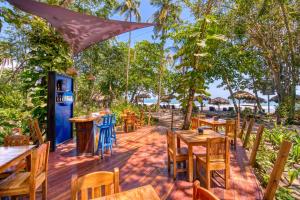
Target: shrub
[{"x": 267, "y": 154}]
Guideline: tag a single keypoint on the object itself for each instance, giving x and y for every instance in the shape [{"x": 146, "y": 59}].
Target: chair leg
[
  {"x": 227, "y": 178},
  {"x": 102, "y": 150},
  {"x": 169, "y": 163},
  {"x": 174, "y": 169},
  {"x": 32, "y": 194},
  {"x": 44, "y": 189},
  {"x": 208, "y": 179}
]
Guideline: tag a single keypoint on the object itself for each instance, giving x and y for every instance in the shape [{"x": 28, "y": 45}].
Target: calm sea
[{"x": 206, "y": 104}]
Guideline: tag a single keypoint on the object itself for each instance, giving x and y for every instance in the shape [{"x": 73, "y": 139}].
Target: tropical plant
[
  {"x": 129, "y": 8},
  {"x": 167, "y": 14}
]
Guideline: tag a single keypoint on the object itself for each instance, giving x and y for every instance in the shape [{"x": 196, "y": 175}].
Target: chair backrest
[
  {"x": 230, "y": 128},
  {"x": 171, "y": 141},
  {"x": 131, "y": 118},
  {"x": 194, "y": 122},
  {"x": 35, "y": 131},
  {"x": 113, "y": 119},
  {"x": 217, "y": 149},
  {"x": 95, "y": 182},
  {"x": 16, "y": 140},
  {"x": 39, "y": 161},
  {"x": 199, "y": 193}
]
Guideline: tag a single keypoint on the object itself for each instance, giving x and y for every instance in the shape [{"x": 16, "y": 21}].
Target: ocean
[{"x": 176, "y": 103}]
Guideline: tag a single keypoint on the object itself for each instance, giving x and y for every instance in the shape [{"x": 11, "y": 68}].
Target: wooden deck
[{"x": 141, "y": 157}]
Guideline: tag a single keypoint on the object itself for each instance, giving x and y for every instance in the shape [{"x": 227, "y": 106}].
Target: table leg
[
  {"x": 178, "y": 142},
  {"x": 191, "y": 163},
  {"x": 28, "y": 163}
]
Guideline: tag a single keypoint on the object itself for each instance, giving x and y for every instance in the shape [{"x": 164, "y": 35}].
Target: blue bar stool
[
  {"x": 105, "y": 141},
  {"x": 113, "y": 130}
]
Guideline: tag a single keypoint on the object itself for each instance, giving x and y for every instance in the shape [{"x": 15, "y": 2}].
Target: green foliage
[
  {"x": 267, "y": 155},
  {"x": 12, "y": 108},
  {"x": 283, "y": 110},
  {"x": 145, "y": 65},
  {"x": 284, "y": 194},
  {"x": 119, "y": 107}
]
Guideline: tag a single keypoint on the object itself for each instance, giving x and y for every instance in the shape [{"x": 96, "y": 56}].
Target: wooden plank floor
[{"x": 141, "y": 158}]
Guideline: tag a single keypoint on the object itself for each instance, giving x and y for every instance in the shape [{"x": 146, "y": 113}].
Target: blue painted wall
[{"x": 63, "y": 109}]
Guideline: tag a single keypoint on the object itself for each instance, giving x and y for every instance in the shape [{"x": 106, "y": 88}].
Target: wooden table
[
  {"x": 141, "y": 193},
  {"x": 85, "y": 136},
  {"x": 213, "y": 123},
  {"x": 192, "y": 138},
  {"x": 10, "y": 156}
]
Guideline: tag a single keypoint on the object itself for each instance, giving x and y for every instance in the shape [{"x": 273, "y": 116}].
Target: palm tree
[
  {"x": 129, "y": 8},
  {"x": 166, "y": 14}
]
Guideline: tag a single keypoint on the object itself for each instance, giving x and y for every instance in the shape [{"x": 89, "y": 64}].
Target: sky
[{"x": 147, "y": 11}]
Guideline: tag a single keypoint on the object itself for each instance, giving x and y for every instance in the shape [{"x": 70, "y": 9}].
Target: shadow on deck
[{"x": 141, "y": 157}]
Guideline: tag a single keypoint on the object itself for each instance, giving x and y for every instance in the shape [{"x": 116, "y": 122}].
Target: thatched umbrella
[
  {"x": 200, "y": 98},
  {"x": 242, "y": 95},
  {"x": 275, "y": 98},
  {"x": 219, "y": 101},
  {"x": 143, "y": 96}
]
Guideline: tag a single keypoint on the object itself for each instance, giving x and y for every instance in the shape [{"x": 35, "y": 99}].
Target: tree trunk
[
  {"x": 231, "y": 94},
  {"x": 133, "y": 96},
  {"x": 187, "y": 119},
  {"x": 189, "y": 109},
  {"x": 128, "y": 62},
  {"x": 161, "y": 68},
  {"x": 256, "y": 94},
  {"x": 292, "y": 54}
]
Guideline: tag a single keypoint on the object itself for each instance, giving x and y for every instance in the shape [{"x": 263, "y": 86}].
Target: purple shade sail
[{"x": 79, "y": 30}]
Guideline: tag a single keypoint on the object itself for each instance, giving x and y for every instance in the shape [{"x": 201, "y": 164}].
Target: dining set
[
  {"x": 215, "y": 138},
  {"x": 130, "y": 120},
  {"x": 215, "y": 145}
]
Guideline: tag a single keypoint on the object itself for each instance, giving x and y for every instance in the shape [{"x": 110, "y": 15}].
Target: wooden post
[
  {"x": 238, "y": 121},
  {"x": 277, "y": 170},
  {"x": 249, "y": 130},
  {"x": 149, "y": 118},
  {"x": 256, "y": 144},
  {"x": 172, "y": 119}
]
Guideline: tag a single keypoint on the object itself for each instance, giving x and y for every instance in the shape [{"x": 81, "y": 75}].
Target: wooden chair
[
  {"x": 230, "y": 131},
  {"x": 95, "y": 182},
  {"x": 27, "y": 183},
  {"x": 130, "y": 121},
  {"x": 16, "y": 140},
  {"x": 175, "y": 154},
  {"x": 216, "y": 158},
  {"x": 194, "y": 123},
  {"x": 140, "y": 120},
  {"x": 35, "y": 131},
  {"x": 249, "y": 130},
  {"x": 200, "y": 193}
]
